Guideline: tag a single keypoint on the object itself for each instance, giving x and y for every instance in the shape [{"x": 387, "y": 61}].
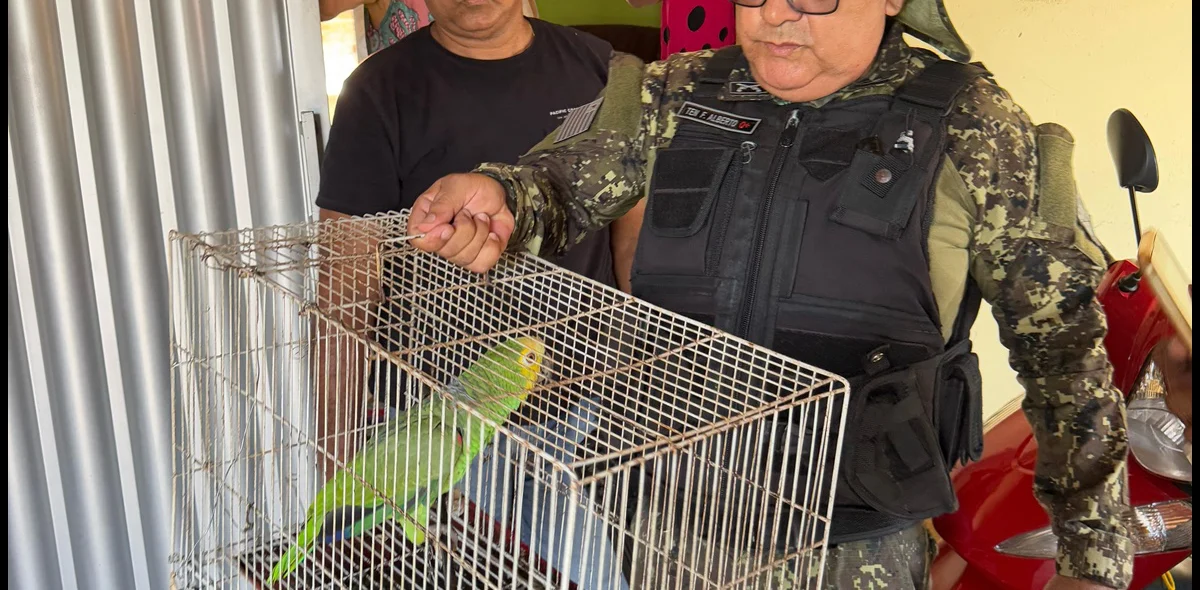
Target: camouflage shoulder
[
  {"x": 669, "y": 83},
  {"x": 1058, "y": 212},
  {"x": 991, "y": 142},
  {"x": 1021, "y": 173},
  {"x": 679, "y": 69},
  {"x": 621, "y": 61},
  {"x": 986, "y": 112}
]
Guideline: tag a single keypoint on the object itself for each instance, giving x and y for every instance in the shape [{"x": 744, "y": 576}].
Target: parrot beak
[{"x": 549, "y": 367}]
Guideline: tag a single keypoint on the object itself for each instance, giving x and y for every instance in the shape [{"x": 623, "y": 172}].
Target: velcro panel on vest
[
  {"x": 686, "y": 180},
  {"x": 826, "y": 151},
  {"x": 716, "y": 72},
  {"x": 1058, "y": 202},
  {"x": 721, "y": 64}
]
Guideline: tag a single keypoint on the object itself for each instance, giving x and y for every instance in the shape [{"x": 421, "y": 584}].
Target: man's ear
[{"x": 892, "y": 7}]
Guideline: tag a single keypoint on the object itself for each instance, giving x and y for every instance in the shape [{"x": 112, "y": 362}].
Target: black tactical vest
[{"x": 804, "y": 230}]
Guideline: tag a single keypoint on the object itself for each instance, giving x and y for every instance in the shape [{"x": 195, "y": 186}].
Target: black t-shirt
[{"x": 414, "y": 112}]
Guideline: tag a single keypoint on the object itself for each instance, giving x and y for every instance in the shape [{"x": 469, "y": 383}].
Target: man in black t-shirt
[{"x": 481, "y": 84}]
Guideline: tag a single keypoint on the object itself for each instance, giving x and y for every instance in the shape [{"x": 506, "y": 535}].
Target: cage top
[{"x": 624, "y": 380}]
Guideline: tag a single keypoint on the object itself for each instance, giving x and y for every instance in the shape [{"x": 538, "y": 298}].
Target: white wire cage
[{"x": 646, "y": 450}]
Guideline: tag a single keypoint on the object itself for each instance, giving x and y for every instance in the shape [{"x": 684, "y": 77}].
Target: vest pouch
[
  {"x": 676, "y": 238},
  {"x": 879, "y": 194},
  {"x": 893, "y": 462},
  {"x": 692, "y": 297},
  {"x": 959, "y": 406},
  {"x": 685, "y": 184}
]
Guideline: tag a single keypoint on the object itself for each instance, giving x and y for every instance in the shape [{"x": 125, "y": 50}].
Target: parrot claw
[{"x": 457, "y": 503}]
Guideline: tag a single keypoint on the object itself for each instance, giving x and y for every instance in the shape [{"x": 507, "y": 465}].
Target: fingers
[
  {"x": 471, "y": 243},
  {"x": 1176, "y": 363},
  {"x": 488, "y": 256},
  {"x": 470, "y": 233},
  {"x": 432, "y": 214},
  {"x": 1177, "y": 352},
  {"x": 503, "y": 224},
  {"x": 464, "y": 219}
]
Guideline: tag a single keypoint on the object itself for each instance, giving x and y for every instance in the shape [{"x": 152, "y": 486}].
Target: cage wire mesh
[{"x": 528, "y": 428}]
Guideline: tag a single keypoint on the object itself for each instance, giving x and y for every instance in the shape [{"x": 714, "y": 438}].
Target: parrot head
[
  {"x": 531, "y": 355},
  {"x": 522, "y": 359},
  {"x": 503, "y": 377}
]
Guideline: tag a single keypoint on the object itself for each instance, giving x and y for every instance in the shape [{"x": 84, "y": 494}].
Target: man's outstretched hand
[
  {"x": 1065, "y": 583},
  {"x": 1175, "y": 360},
  {"x": 465, "y": 219}
]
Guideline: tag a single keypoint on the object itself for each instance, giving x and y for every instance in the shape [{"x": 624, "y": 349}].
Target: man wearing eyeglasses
[{"x": 828, "y": 191}]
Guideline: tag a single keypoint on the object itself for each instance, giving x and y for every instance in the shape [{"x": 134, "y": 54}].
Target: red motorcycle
[{"x": 1000, "y": 537}]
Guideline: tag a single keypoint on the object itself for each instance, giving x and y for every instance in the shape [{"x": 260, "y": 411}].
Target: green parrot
[{"x": 420, "y": 454}]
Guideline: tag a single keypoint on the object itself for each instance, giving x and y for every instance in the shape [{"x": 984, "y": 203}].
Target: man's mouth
[{"x": 781, "y": 49}]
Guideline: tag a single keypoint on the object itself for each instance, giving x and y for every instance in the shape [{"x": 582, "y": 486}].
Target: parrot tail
[
  {"x": 298, "y": 551},
  {"x": 308, "y": 536}
]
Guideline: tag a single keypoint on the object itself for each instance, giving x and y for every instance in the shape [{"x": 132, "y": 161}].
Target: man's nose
[{"x": 777, "y": 12}]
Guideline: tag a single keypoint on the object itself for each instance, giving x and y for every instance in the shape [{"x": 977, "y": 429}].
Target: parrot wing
[
  {"x": 414, "y": 459},
  {"x": 542, "y": 528},
  {"x": 391, "y": 462},
  {"x": 405, "y": 463}
]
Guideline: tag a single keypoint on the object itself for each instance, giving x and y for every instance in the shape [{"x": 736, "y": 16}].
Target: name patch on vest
[{"x": 717, "y": 118}]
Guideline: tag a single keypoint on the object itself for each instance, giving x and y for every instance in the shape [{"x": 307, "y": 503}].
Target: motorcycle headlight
[
  {"x": 1156, "y": 528},
  {"x": 1155, "y": 434}
]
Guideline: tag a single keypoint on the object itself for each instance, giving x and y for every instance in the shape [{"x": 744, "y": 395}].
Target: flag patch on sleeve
[{"x": 578, "y": 121}]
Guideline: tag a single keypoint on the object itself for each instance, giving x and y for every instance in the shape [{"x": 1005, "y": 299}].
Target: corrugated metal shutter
[{"x": 127, "y": 119}]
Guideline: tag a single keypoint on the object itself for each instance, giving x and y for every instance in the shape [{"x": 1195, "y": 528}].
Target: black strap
[
  {"x": 937, "y": 86},
  {"x": 856, "y": 524},
  {"x": 936, "y": 90},
  {"x": 967, "y": 312},
  {"x": 721, "y": 64}
]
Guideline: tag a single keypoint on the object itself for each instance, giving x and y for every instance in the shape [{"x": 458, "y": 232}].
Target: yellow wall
[
  {"x": 1074, "y": 62},
  {"x": 340, "y": 48}
]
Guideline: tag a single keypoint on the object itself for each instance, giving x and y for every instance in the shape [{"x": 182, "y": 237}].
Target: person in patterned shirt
[
  {"x": 831, "y": 192},
  {"x": 387, "y": 21}
]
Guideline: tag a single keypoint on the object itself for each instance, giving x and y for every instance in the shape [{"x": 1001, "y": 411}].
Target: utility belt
[{"x": 905, "y": 430}]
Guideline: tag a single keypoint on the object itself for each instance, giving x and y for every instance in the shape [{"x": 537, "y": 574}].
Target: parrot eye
[{"x": 529, "y": 358}]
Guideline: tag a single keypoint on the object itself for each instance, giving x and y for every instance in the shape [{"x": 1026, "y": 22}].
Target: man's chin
[
  {"x": 477, "y": 21},
  {"x": 779, "y": 76}
]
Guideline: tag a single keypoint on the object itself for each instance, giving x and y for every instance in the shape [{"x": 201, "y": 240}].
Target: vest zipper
[
  {"x": 725, "y": 197},
  {"x": 786, "y": 139}
]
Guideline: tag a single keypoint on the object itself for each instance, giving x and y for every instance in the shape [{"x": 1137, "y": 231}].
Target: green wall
[{"x": 598, "y": 12}]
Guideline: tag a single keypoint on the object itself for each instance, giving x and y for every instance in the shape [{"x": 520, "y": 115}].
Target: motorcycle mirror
[
  {"x": 1132, "y": 152},
  {"x": 1133, "y": 156}
]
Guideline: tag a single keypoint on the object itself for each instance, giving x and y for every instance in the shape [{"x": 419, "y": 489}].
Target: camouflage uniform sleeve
[
  {"x": 1038, "y": 264},
  {"x": 563, "y": 190}
]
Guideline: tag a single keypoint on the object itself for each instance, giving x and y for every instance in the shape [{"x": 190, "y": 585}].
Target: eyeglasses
[{"x": 813, "y": 7}]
